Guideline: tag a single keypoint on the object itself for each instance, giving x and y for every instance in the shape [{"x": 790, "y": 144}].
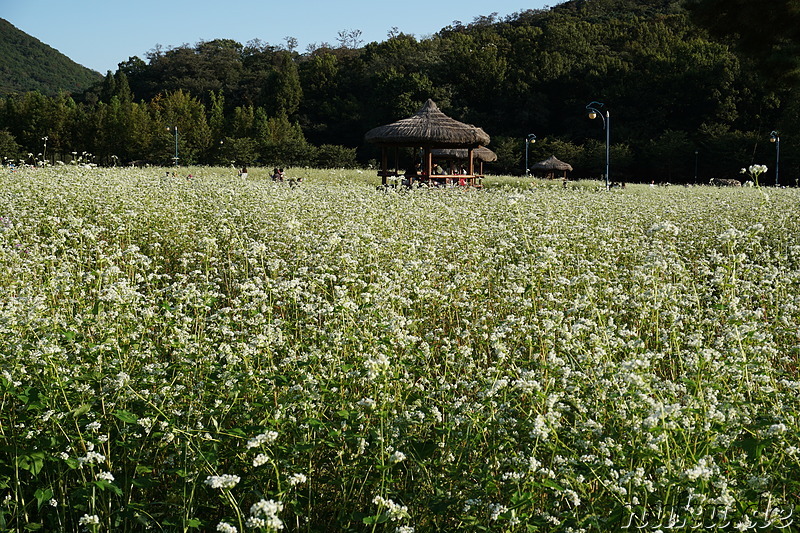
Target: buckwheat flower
[
  {"x": 663, "y": 227},
  {"x": 146, "y": 423},
  {"x": 225, "y": 481},
  {"x": 572, "y": 497},
  {"x": 260, "y": 459},
  {"x": 107, "y": 476},
  {"x": 700, "y": 471},
  {"x": 93, "y": 426},
  {"x": 53, "y": 502},
  {"x": 540, "y": 429},
  {"x": 367, "y": 403},
  {"x": 92, "y": 458},
  {"x": 731, "y": 234},
  {"x": 376, "y": 365},
  {"x": 745, "y": 524},
  {"x": 265, "y": 513},
  {"x": 404, "y": 529},
  {"x": 256, "y": 523},
  {"x": 89, "y": 520},
  {"x": 777, "y": 429},
  {"x": 395, "y": 511},
  {"x": 121, "y": 379},
  {"x": 297, "y": 479},
  {"x": 397, "y": 457},
  {"x": 263, "y": 438},
  {"x": 225, "y": 527},
  {"x": 496, "y": 510}
]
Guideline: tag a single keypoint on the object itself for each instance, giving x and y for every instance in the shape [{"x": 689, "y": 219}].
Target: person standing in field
[{"x": 243, "y": 173}]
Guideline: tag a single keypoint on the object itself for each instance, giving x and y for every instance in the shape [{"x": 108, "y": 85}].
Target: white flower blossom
[{"x": 225, "y": 481}]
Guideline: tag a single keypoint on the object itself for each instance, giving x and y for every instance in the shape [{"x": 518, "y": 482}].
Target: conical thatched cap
[
  {"x": 428, "y": 127},
  {"x": 551, "y": 163},
  {"x": 481, "y": 153}
]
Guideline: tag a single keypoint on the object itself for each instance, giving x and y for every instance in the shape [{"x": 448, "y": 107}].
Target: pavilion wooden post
[
  {"x": 384, "y": 165},
  {"x": 428, "y": 161},
  {"x": 471, "y": 163}
]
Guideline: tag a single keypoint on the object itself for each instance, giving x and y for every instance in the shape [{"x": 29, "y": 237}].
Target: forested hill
[
  {"x": 27, "y": 64},
  {"x": 684, "y": 105}
]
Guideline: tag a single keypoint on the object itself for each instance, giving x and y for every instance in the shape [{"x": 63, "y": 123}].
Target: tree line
[{"x": 685, "y": 104}]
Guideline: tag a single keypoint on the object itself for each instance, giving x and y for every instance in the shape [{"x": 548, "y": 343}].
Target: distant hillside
[{"x": 27, "y": 64}]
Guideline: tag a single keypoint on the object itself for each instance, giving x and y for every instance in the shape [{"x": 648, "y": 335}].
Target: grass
[{"x": 207, "y": 353}]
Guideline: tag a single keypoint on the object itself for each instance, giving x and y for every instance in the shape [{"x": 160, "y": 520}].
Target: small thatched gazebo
[
  {"x": 480, "y": 154},
  {"x": 428, "y": 129},
  {"x": 552, "y": 166}
]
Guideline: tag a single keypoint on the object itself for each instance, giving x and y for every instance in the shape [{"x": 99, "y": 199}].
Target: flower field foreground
[{"x": 212, "y": 354}]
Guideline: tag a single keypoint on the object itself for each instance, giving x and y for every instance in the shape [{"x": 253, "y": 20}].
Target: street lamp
[
  {"x": 776, "y": 138},
  {"x": 594, "y": 112},
  {"x": 176, "y": 144},
  {"x": 530, "y": 140},
  {"x": 44, "y": 152},
  {"x": 695, "y": 165}
]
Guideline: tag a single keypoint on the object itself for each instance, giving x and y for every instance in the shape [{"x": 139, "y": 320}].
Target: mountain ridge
[{"x": 28, "y": 64}]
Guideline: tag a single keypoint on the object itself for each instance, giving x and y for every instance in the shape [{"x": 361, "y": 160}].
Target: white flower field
[{"x": 218, "y": 354}]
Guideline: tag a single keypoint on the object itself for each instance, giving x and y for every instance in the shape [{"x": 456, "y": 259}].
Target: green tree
[
  {"x": 180, "y": 110},
  {"x": 769, "y": 33},
  {"x": 9, "y": 149}
]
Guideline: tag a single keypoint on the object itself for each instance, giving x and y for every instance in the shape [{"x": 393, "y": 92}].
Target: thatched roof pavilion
[
  {"x": 552, "y": 166},
  {"x": 428, "y": 128}
]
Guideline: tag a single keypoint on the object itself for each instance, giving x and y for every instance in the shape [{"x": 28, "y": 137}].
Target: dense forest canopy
[{"x": 685, "y": 103}]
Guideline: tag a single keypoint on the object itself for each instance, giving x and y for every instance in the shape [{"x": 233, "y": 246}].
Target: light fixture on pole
[
  {"x": 594, "y": 112},
  {"x": 44, "y": 152},
  {"x": 175, "y": 128},
  {"x": 776, "y": 138},
  {"x": 695, "y": 165},
  {"x": 530, "y": 140}
]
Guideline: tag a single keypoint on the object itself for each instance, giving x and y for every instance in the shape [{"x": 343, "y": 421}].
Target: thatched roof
[
  {"x": 551, "y": 163},
  {"x": 428, "y": 127},
  {"x": 481, "y": 153}
]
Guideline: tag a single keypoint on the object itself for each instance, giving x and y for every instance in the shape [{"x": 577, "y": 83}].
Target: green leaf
[
  {"x": 194, "y": 523},
  {"x": 107, "y": 485},
  {"x": 423, "y": 449},
  {"x": 144, "y": 483},
  {"x": 552, "y": 484},
  {"x": 82, "y": 410},
  {"x": 33, "y": 462},
  {"x": 42, "y": 495},
  {"x": 126, "y": 416}
]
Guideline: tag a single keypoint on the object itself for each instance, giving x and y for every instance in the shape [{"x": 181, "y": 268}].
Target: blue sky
[{"x": 99, "y": 34}]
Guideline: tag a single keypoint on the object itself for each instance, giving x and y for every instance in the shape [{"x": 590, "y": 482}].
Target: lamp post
[
  {"x": 594, "y": 112},
  {"x": 776, "y": 138},
  {"x": 44, "y": 151},
  {"x": 695, "y": 166},
  {"x": 175, "y": 128},
  {"x": 529, "y": 140}
]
